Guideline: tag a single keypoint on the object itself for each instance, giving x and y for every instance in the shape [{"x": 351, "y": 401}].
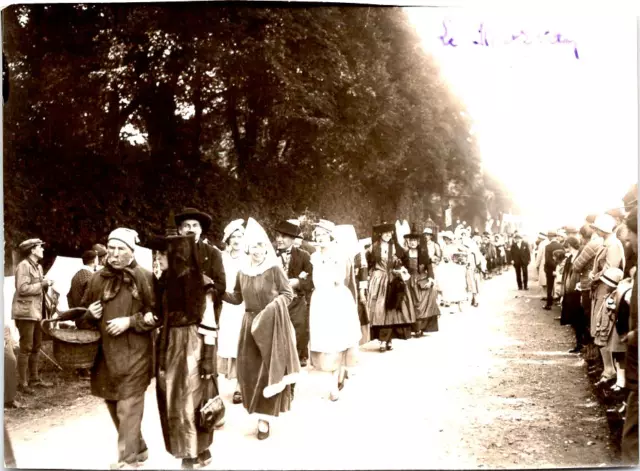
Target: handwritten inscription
[{"x": 483, "y": 37}]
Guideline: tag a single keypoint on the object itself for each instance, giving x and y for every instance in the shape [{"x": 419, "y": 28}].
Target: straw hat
[{"x": 605, "y": 223}]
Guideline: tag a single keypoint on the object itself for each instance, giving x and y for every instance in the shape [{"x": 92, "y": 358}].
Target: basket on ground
[{"x": 72, "y": 348}]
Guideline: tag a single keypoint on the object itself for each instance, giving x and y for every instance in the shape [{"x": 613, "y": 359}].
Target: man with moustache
[
  {"x": 193, "y": 221},
  {"x": 296, "y": 263},
  {"x": 119, "y": 299}
]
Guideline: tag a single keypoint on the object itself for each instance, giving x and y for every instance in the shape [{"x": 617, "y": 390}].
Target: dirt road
[{"x": 494, "y": 388}]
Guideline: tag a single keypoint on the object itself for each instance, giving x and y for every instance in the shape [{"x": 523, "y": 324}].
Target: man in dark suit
[
  {"x": 550, "y": 265},
  {"x": 521, "y": 257},
  {"x": 296, "y": 263},
  {"x": 192, "y": 221}
]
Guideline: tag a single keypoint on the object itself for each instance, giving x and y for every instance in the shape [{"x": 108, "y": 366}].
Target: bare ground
[{"x": 493, "y": 389}]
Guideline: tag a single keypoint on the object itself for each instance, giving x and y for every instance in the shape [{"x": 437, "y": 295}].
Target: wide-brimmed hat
[
  {"x": 29, "y": 244},
  {"x": 551, "y": 234},
  {"x": 604, "y": 223},
  {"x": 414, "y": 233},
  {"x": 612, "y": 276},
  {"x": 570, "y": 230},
  {"x": 288, "y": 228},
  {"x": 384, "y": 227},
  {"x": 617, "y": 212},
  {"x": 325, "y": 224},
  {"x": 192, "y": 213},
  {"x": 233, "y": 226}
]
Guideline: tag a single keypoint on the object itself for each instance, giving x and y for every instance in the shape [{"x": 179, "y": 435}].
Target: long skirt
[
  {"x": 228, "y": 335},
  {"x": 179, "y": 390},
  {"x": 335, "y": 328},
  {"x": 383, "y": 318},
  {"x": 452, "y": 280},
  {"x": 253, "y": 377},
  {"x": 426, "y": 307}
]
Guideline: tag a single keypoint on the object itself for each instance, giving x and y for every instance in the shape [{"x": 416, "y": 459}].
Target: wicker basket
[{"x": 74, "y": 348}]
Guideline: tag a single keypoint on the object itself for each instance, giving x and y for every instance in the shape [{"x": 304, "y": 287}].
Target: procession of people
[{"x": 261, "y": 309}]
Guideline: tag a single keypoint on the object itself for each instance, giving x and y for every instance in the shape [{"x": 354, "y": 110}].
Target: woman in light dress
[
  {"x": 231, "y": 316},
  {"x": 452, "y": 272},
  {"x": 334, "y": 324}
]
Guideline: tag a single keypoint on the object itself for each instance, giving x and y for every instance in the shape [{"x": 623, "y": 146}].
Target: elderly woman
[
  {"x": 268, "y": 363},
  {"x": 185, "y": 347},
  {"x": 231, "y": 316},
  {"x": 333, "y": 315}
]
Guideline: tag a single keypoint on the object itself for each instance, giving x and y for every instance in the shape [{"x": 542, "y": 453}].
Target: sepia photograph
[{"x": 298, "y": 235}]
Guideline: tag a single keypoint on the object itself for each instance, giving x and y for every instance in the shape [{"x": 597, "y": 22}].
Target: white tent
[
  {"x": 61, "y": 272},
  {"x": 144, "y": 257}
]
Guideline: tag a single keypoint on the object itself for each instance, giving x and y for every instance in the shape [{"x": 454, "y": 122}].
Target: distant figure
[
  {"x": 101, "y": 250},
  {"x": 521, "y": 257}
]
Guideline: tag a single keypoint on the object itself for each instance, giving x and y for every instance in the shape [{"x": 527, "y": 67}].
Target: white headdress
[
  {"x": 233, "y": 226},
  {"x": 255, "y": 234}
]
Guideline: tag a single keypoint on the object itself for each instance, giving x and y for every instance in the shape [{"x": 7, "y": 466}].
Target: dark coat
[
  {"x": 301, "y": 262},
  {"x": 549, "y": 262},
  {"x": 520, "y": 256},
  {"x": 123, "y": 365}
]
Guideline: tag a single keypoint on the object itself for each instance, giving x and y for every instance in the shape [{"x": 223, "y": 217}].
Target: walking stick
[{"x": 51, "y": 360}]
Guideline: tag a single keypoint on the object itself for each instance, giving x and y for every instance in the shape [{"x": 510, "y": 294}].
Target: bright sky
[{"x": 560, "y": 132}]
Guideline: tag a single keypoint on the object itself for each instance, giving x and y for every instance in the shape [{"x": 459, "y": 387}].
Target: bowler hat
[
  {"x": 191, "y": 213},
  {"x": 288, "y": 228},
  {"x": 29, "y": 244}
]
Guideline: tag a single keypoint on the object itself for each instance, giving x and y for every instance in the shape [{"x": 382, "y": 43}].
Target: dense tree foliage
[{"x": 268, "y": 112}]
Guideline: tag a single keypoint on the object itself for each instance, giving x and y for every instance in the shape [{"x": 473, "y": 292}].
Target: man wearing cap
[
  {"x": 521, "y": 257},
  {"x": 193, "y": 221},
  {"x": 630, "y": 429},
  {"x": 550, "y": 266},
  {"x": 118, "y": 298},
  {"x": 296, "y": 263},
  {"x": 26, "y": 311}
]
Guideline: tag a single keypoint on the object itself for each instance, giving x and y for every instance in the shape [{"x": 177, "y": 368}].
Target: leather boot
[
  {"x": 23, "y": 374},
  {"x": 34, "y": 361}
]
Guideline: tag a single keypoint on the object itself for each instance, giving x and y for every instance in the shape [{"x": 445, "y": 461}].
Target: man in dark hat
[
  {"x": 550, "y": 265},
  {"x": 521, "y": 257},
  {"x": 296, "y": 263},
  {"x": 26, "y": 310},
  {"x": 193, "y": 221}
]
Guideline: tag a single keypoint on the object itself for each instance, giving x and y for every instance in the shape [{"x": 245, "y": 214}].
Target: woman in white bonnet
[
  {"x": 334, "y": 324},
  {"x": 231, "y": 316}
]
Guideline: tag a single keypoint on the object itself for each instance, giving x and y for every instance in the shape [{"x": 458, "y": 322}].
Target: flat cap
[{"x": 30, "y": 243}]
